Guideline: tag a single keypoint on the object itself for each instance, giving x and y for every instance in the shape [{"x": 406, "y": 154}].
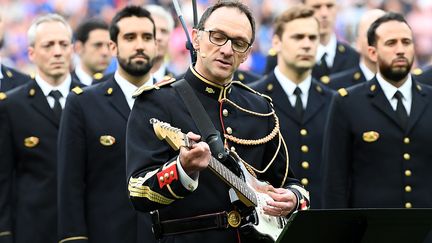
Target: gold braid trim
[
  {"x": 74, "y": 238},
  {"x": 266, "y": 139},
  {"x": 5, "y": 233},
  {"x": 252, "y": 142},
  {"x": 252, "y": 169},
  {"x": 136, "y": 189}
]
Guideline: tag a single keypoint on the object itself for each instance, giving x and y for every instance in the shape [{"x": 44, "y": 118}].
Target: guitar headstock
[{"x": 174, "y": 136}]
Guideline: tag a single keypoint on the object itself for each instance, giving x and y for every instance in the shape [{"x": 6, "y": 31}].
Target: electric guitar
[{"x": 249, "y": 190}]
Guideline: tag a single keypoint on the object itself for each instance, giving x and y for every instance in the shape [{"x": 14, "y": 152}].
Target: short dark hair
[
  {"x": 299, "y": 11},
  {"x": 84, "y": 28},
  {"x": 390, "y": 16},
  {"x": 229, "y": 4},
  {"x": 129, "y": 11}
]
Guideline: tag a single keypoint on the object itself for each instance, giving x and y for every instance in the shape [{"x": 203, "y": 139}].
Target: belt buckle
[{"x": 234, "y": 218}]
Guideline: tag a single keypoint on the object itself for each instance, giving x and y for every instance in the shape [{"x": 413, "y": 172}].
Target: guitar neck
[
  {"x": 230, "y": 178},
  {"x": 176, "y": 139}
]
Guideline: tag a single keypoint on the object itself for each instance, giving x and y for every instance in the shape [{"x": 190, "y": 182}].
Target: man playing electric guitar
[{"x": 189, "y": 202}]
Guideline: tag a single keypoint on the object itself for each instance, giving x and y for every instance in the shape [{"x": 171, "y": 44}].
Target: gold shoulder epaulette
[
  {"x": 3, "y": 96},
  {"x": 343, "y": 92},
  {"x": 157, "y": 85},
  {"x": 77, "y": 90}
]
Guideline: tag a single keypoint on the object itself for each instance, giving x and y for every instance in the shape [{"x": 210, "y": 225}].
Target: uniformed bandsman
[
  {"x": 366, "y": 69},
  {"x": 189, "y": 202},
  {"x": 91, "y": 46},
  {"x": 333, "y": 56},
  {"x": 301, "y": 102},
  {"x": 93, "y": 197},
  {"x": 377, "y": 152},
  {"x": 29, "y": 121}
]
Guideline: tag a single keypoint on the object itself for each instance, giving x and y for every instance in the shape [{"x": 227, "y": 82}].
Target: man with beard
[
  {"x": 377, "y": 144},
  {"x": 189, "y": 202},
  {"x": 301, "y": 102},
  {"x": 9, "y": 77},
  {"x": 93, "y": 198}
]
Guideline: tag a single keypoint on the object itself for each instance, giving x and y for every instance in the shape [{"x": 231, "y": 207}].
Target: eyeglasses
[{"x": 221, "y": 39}]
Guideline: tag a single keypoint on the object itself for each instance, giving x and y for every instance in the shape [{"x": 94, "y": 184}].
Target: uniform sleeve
[
  {"x": 336, "y": 157},
  {"x": 71, "y": 173},
  {"x": 153, "y": 179},
  {"x": 6, "y": 172}
]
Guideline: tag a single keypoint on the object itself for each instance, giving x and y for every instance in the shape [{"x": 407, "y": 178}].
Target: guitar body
[{"x": 257, "y": 225}]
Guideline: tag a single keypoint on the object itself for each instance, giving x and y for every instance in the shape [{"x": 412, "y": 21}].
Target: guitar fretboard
[{"x": 229, "y": 177}]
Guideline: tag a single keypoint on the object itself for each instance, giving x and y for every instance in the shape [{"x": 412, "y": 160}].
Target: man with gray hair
[
  {"x": 28, "y": 138},
  {"x": 164, "y": 26}
]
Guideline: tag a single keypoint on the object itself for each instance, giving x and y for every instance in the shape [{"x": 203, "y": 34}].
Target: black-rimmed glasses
[{"x": 220, "y": 39}]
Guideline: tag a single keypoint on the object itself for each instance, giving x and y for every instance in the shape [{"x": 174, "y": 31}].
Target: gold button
[
  {"x": 407, "y": 156},
  {"x": 304, "y": 181},
  {"x": 408, "y": 173},
  {"x": 408, "y": 189},
  {"x": 172, "y": 173},
  {"x": 233, "y": 148},
  {"x": 225, "y": 112},
  {"x": 229, "y": 130},
  {"x": 304, "y": 148},
  {"x": 406, "y": 140},
  {"x": 303, "y": 132},
  {"x": 162, "y": 179},
  {"x": 408, "y": 205},
  {"x": 166, "y": 175},
  {"x": 305, "y": 165}
]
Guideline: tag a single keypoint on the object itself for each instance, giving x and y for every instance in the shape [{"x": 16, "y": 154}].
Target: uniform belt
[{"x": 189, "y": 225}]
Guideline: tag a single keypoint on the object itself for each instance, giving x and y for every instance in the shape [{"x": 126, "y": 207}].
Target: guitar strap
[{"x": 202, "y": 120}]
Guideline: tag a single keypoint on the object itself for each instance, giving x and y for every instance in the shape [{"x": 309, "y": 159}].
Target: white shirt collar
[
  {"x": 289, "y": 86},
  {"x": 46, "y": 88},
  {"x": 160, "y": 73},
  {"x": 84, "y": 77},
  {"x": 128, "y": 88},
  {"x": 390, "y": 90},
  {"x": 368, "y": 74},
  {"x": 330, "y": 49}
]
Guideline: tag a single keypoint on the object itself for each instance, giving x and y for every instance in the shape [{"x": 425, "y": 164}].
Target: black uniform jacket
[
  {"x": 28, "y": 175},
  {"x": 148, "y": 158},
  {"x": 370, "y": 160},
  {"x": 93, "y": 197},
  {"x": 97, "y": 78},
  {"x": 346, "y": 58},
  {"x": 346, "y": 78},
  {"x": 12, "y": 78},
  {"x": 304, "y": 137}
]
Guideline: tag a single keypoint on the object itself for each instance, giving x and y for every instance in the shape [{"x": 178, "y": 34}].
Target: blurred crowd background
[{"x": 18, "y": 15}]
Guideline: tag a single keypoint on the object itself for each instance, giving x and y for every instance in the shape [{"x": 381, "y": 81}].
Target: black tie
[
  {"x": 298, "y": 104},
  {"x": 57, "y": 109},
  {"x": 323, "y": 64},
  {"x": 400, "y": 109}
]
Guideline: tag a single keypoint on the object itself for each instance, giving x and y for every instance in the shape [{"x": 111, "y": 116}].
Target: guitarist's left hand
[{"x": 284, "y": 201}]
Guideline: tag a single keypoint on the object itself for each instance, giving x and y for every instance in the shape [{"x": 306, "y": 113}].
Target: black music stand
[{"x": 358, "y": 226}]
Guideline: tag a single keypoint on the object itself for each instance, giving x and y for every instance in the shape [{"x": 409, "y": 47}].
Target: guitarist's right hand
[{"x": 196, "y": 157}]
